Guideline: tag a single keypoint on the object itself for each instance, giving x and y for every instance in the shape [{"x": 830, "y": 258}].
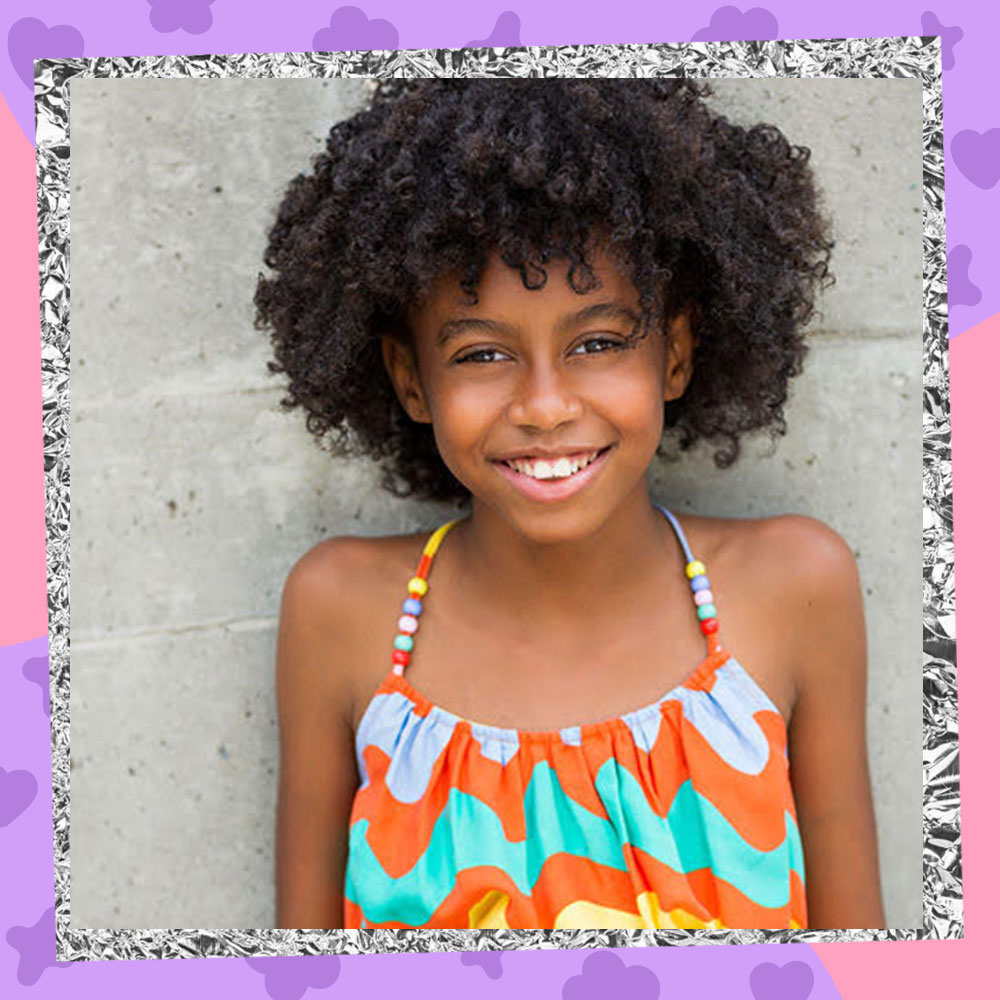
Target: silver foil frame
[{"x": 880, "y": 57}]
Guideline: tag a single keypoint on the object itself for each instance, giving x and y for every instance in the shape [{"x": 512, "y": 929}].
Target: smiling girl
[{"x": 594, "y": 712}]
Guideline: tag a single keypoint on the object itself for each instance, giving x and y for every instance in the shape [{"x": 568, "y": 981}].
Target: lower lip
[{"x": 552, "y": 489}]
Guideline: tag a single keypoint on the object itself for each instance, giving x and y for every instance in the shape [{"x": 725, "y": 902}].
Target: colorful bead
[
  {"x": 417, "y": 586},
  {"x": 407, "y": 624},
  {"x": 404, "y": 642},
  {"x": 412, "y": 606},
  {"x": 710, "y": 625},
  {"x": 397, "y": 669},
  {"x": 694, "y": 568},
  {"x": 699, "y": 582},
  {"x": 703, "y": 597},
  {"x": 400, "y": 657},
  {"x": 706, "y": 611}
]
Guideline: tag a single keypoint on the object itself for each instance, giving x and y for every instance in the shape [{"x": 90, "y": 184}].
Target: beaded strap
[
  {"x": 704, "y": 600},
  {"x": 408, "y": 623},
  {"x": 413, "y": 605}
]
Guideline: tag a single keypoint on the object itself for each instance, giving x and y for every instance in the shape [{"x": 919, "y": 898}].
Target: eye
[
  {"x": 480, "y": 356},
  {"x": 599, "y": 344}
]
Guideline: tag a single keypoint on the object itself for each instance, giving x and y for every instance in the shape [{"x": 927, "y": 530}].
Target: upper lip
[{"x": 547, "y": 454}]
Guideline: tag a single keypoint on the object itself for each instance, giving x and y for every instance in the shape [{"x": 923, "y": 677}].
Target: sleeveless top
[{"x": 678, "y": 814}]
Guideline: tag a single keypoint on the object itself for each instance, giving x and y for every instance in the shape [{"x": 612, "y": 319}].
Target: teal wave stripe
[{"x": 560, "y": 825}]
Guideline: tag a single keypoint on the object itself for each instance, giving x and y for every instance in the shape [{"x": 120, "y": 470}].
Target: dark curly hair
[{"x": 434, "y": 175}]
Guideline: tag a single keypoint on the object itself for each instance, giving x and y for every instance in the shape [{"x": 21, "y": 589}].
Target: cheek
[
  {"x": 635, "y": 395},
  {"x": 463, "y": 413}
]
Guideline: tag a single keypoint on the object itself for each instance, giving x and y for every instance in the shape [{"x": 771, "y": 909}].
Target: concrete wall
[{"x": 192, "y": 494}]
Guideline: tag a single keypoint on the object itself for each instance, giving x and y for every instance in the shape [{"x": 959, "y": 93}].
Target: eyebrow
[{"x": 599, "y": 310}]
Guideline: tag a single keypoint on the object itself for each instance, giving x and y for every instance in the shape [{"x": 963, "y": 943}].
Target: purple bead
[
  {"x": 412, "y": 606},
  {"x": 699, "y": 583}
]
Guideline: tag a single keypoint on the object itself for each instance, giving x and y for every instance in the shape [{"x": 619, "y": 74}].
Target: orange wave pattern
[{"x": 641, "y": 821}]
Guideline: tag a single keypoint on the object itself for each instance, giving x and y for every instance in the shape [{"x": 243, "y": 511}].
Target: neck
[{"x": 566, "y": 580}]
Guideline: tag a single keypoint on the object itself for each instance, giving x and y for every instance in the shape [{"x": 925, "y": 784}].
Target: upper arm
[
  {"x": 828, "y": 752},
  {"x": 318, "y": 775}
]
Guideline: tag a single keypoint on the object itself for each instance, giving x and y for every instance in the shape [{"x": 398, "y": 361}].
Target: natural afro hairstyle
[{"x": 434, "y": 175}]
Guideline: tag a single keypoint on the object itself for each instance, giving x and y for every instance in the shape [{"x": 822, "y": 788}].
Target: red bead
[
  {"x": 400, "y": 656},
  {"x": 710, "y": 625}
]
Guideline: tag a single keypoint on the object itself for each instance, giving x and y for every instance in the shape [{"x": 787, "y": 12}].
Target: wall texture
[{"x": 192, "y": 495}]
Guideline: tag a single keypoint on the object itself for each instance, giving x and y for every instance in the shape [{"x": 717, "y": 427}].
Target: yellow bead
[
  {"x": 417, "y": 585},
  {"x": 693, "y": 569}
]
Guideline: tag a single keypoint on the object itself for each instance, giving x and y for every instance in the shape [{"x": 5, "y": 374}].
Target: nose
[{"x": 544, "y": 399}]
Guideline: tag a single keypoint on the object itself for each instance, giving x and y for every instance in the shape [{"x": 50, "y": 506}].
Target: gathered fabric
[{"x": 679, "y": 814}]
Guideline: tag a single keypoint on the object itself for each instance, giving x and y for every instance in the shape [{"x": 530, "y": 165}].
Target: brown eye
[
  {"x": 485, "y": 355},
  {"x": 598, "y": 345}
]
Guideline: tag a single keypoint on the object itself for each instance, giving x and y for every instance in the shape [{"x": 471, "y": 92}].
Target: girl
[{"x": 506, "y": 291}]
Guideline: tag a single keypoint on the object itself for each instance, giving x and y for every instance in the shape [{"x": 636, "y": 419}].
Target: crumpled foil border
[{"x": 859, "y": 57}]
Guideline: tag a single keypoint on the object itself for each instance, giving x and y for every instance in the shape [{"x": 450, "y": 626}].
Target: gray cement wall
[{"x": 192, "y": 495}]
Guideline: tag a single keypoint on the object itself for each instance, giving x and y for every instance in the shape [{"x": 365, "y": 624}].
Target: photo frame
[{"x": 916, "y": 57}]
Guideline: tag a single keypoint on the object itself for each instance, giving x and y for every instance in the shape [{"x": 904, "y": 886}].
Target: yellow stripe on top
[
  {"x": 417, "y": 584},
  {"x": 430, "y": 549}
]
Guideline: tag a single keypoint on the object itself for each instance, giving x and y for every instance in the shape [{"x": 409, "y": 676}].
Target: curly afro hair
[{"x": 434, "y": 175}]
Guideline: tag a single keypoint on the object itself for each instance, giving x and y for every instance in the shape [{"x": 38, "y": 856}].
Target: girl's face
[{"x": 539, "y": 406}]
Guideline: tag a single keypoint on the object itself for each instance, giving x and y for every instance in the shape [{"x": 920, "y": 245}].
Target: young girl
[{"x": 569, "y": 707}]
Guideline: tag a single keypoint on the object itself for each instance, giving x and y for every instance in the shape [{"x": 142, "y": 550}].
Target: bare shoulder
[
  {"x": 815, "y": 581},
  {"x": 342, "y": 570},
  {"x": 338, "y": 601},
  {"x": 810, "y": 552},
  {"x": 801, "y": 564}
]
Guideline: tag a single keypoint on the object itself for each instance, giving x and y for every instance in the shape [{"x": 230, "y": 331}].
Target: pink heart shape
[
  {"x": 30, "y": 39},
  {"x": 793, "y": 981}
]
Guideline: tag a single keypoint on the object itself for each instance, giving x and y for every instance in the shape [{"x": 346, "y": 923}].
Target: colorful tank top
[{"x": 678, "y": 814}]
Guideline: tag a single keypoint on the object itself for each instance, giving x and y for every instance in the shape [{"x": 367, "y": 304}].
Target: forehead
[{"x": 501, "y": 290}]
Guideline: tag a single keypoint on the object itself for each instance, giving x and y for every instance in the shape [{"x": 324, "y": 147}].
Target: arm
[
  {"x": 827, "y": 735},
  {"x": 318, "y": 775}
]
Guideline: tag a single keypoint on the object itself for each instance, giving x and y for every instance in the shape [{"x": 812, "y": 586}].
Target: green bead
[
  {"x": 706, "y": 611},
  {"x": 404, "y": 642}
]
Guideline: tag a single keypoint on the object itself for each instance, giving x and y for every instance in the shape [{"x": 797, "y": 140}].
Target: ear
[
  {"x": 401, "y": 365},
  {"x": 679, "y": 364}
]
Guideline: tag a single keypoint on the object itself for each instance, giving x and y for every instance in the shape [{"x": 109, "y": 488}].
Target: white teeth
[{"x": 559, "y": 469}]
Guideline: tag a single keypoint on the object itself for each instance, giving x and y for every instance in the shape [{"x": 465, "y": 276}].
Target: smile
[
  {"x": 552, "y": 478},
  {"x": 558, "y": 468}
]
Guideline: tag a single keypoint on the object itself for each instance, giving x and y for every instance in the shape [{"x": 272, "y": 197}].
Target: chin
[{"x": 555, "y": 525}]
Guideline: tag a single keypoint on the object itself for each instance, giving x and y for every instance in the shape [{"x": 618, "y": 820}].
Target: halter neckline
[{"x": 418, "y": 587}]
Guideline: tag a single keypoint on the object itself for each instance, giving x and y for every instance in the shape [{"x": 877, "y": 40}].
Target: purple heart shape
[
  {"x": 506, "y": 32},
  {"x": 288, "y": 977},
  {"x": 730, "y": 24},
  {"x": 192, "y": 16},
  {"x": 488, "y": 961},
  {"x": 604, "y": 974},
  {"x": 17, "y": 791},
  {"x": 961, "y": 290},
  {"x": 793, "y": 981},
  {"x": 36, "y": 948},
  {"x": 36, "y": 670},
  {"x": 30, "y": 39},
  {"x": 977, "y": 155},
  {"x": 931, "y": 25},
  {"x": 350, "y": 29}
]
